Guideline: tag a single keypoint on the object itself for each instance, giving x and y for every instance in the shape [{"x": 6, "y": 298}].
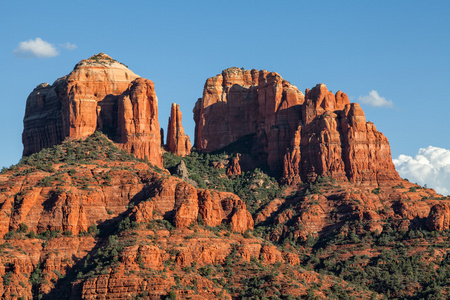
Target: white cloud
[
  {"x": 69, "y": 46},
  {"x": 35, "y": 48},
  {"x": 374, "y": 99},
  {"x": 430, "y": 166}
]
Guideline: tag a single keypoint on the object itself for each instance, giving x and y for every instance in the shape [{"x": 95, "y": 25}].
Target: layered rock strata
[
  {"x": 242, "y": 103},
  {"x": 77, "y": 198},
  {"x": 177, "y": 141},
  {"x": 99, "y": 94},
  {"x": 333, "y": 139},
  {"x": 94, "y": 194},
  {"x": 298, "y": 136}
]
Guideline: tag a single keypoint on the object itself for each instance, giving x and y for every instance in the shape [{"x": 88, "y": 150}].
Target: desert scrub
[{"x": 255, "y": 188}]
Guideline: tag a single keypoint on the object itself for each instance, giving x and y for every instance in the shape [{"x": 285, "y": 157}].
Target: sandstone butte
[
  {"x": 297, "y": 136},
  {"x": 177, "y": 141},
  {"x": 99, "y": 94}
]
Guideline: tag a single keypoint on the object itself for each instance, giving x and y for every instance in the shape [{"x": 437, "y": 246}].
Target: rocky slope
[
  {"x": 85, "y": 220},
  {"x": 99, "y": 94},
  {"x": 345, "y": 228},
  {"x": 299, "y": 136},
  {"x": 177, "y": 141},
  {"x": 65, "y": 193},
  {"x": 65, "y": 198}
]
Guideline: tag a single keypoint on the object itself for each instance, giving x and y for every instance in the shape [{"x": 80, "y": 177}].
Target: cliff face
[
  {"x": 99, "y": 94},
  {"x": 299, "y": 136},
  {"x": 256, "y": 104},
  {"x": 177, "y": 141},
  {"x": 138, "y": 129},
  {"x": 335, "y": 140}
]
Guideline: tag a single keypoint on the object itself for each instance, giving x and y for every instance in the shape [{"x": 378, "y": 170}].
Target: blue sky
[{"x": 398, "y": 51}]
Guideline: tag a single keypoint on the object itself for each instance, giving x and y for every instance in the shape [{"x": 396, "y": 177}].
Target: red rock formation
[
  {"x": 271, "y": 254},
  {"x": 138, "y": 125},
  {"x": 177, "y": 142},
  {"x": 241, "y": 103},
  {"x": 301, "y": 137},
  {"x": 320, "y": 142},
  {"x": 187, "y": 204},
  {"x": 162, "y": 137},
  {"x": 337, "y": 141},
  {"x": 367, "y": 154},
  {"x": 439, "y": 217},
  {"x": 99, "y": 94},
  {"x": 216, "y": 208},
  {"x": 234, "y": 168}
]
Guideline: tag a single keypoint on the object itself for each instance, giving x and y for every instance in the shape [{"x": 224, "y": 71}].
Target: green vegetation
[
  {"x": 401, "y": 265},
  {"x": 101, "y": 58},
  {"x": 95, "y": 147},
  {"x": 255, "y": 187},
  {"x": 71, "y": 156}
]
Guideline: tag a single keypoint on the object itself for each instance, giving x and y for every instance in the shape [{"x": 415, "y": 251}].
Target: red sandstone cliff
[
  {"x": 240, "y": 103},
  {"x": 177, "y": 141},
  {"x": 138, "y": 125},
  {"x": 95, "y": 193},
  {"x": 299, "y": 136},
  {"x": 335, "y": 140},
  {"x": 99, "y": 94}
]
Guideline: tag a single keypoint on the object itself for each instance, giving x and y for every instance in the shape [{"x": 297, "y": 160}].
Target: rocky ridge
[{"x": 69, "y": 199}]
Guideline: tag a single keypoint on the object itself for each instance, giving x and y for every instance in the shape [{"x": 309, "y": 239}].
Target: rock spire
[{"x": 177, "y": 141}]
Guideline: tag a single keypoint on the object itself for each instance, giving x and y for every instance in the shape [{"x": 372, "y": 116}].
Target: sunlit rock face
[
  {"x": 298, "y": 136},
  {"x": 258, "y": 105},
  {"x": 177, "y": 141},
  {"x": 99, "y": 94}
]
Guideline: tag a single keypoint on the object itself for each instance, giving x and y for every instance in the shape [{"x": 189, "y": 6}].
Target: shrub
[
  {"x": 376, "y": 191},
  {"x": 171, "y": 295},
  {"x": 7, "y": 278},
  {"x": 67, "y": 233},
  {"x": 22, "y": 228}
]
